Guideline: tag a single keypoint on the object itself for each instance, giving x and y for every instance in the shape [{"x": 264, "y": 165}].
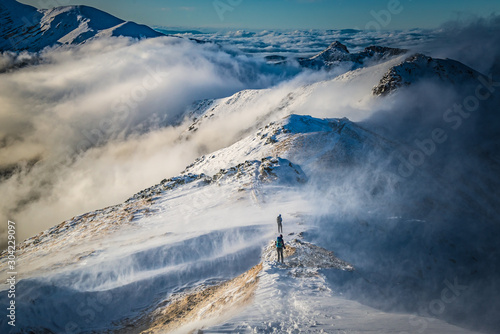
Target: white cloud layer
[{"x": 304, "y": 43}]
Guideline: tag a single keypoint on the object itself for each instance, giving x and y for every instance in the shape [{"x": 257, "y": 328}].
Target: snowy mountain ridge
[
  {"x": 103, "y": 232},
  {"x": 199, "y": 308},
  {"x": 250, "y": 174},
  {"x": 23, "y": 27},
  {"x": 259, "y": 166},
  {"x": 419, "y": 66},
  {"x": 291, "y": 138},
  {"x": 387, "y": 75},
  {"x": 145, "y": 250}
]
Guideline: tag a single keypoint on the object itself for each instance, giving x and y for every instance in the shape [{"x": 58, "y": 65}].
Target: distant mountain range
[
  {"x": 24, "y": 27},
  {"x": 338, "y": 52}
]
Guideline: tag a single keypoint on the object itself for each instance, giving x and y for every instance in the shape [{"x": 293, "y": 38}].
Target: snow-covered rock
[
  {"x": 418, "y": 67},
  {"x": 301, "y": 255},
  {"x": 23, "y": 27},
  {"x": 335, "y": 52},
  {"x": 206, "y": 306},
  {"x": 338, "y": 53},
  {"x": 310, "y": 142}
]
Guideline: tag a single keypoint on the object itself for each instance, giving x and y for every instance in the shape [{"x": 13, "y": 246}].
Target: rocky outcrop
[
  {"x": 338, "y": 53},
  {"x": 419, "y": 66}
]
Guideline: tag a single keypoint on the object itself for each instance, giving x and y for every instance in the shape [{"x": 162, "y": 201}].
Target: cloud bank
[
  {"x": 305, "y": 43},
  {"x": 472, "y": 40}
]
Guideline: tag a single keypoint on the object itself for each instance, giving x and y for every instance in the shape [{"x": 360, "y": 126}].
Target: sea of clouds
[{"x": 305, "y": 43}]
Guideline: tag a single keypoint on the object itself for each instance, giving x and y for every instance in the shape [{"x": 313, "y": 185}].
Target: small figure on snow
[
  {"x": 280, "y": 226},
  {"x": 280, "y": 245}
]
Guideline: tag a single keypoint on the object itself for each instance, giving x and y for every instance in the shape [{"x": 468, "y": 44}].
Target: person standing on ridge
[
  {"x": 280, "y": 245},
  {"x": 280, "y": 226}
]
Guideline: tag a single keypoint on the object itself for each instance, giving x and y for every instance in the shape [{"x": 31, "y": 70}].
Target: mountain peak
[
  {"x": 23, "y": 27},
  {"x": 419, "y": 66},
  {"x": 337, "y": 53},
  {"x": 337, "y": 46}
]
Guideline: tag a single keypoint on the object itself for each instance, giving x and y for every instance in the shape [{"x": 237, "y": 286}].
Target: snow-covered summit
[
  {"x": 338, "y": 53},
  {"x": 419, "y": 66},
  {"x": 334, "y": 52},
  {"x": 310, "y": 142},
  {"x": 23, "y": 27}
]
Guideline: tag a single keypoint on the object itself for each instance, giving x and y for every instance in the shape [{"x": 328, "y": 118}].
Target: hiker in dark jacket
[
  {"x": 280, "y": 245},
  {"x": 280, "y": 226}
]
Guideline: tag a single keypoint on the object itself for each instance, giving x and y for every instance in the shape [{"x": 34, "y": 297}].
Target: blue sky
[{"x": 289, "y": 14}]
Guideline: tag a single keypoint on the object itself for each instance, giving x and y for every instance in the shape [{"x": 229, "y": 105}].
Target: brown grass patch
[{"x": 208, "y": 306}]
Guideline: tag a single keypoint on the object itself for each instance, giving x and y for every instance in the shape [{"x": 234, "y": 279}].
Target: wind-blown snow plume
[
  {"x": 474, "y": 41},
  {"x": 90, "y": 125},
  {"x": 432, "y": 200}
]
